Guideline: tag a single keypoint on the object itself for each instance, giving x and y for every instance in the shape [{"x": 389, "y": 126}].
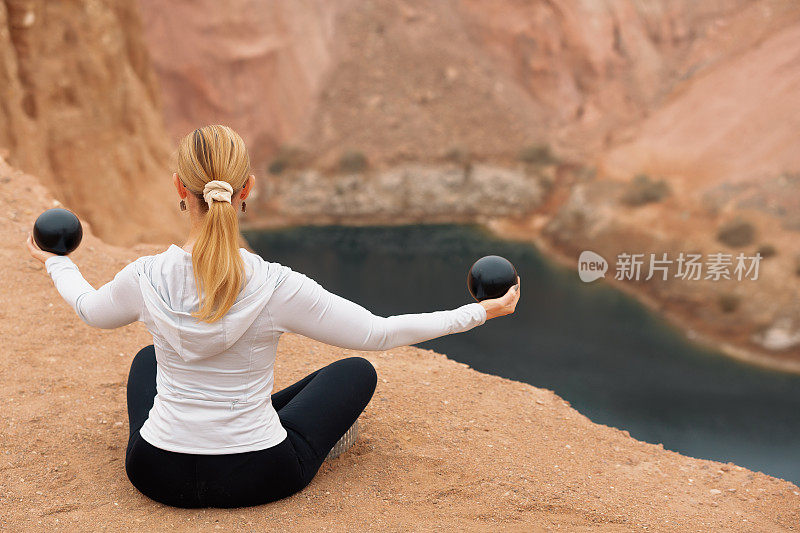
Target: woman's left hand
[{"x": 37, "y": 252}]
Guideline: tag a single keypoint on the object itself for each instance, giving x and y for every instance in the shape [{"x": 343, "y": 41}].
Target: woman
[{"x": 205, "y": 430}]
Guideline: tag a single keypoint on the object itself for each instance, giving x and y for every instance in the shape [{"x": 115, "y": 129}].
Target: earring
[
  {"x": 183, "y": 205},
  {"x": 244, "y": 207}
]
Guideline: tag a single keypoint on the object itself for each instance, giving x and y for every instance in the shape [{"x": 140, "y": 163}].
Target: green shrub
[
  {"x": 642, "y": 189},
  {"x": 286, "y": 157},
  {"x": 278, "y": 165},
  {"x": 729, "y": 302},
  {"x": 736, "y": 233},
  {"x": 458, "y": 155},
  {"x": 537, "y": 154},
  {"x": 767, "y": 250},
  {"x": 352, "y": 161},
  {"x": 585, "y": 173}
]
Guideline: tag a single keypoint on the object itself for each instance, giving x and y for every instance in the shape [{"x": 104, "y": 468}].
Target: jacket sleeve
[
  {"x": 301, "y": 305},
  {"x": 115, "y": 304}
]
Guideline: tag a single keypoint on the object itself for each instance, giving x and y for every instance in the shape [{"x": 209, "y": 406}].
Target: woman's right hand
[
  {"x": 505, "y": 305},
  {"x": 37, "y": 253}
]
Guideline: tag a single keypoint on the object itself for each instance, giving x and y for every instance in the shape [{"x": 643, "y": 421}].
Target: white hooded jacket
[{"x": 214, "y": 381}]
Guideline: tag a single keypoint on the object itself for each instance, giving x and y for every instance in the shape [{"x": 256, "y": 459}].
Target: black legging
[{"x": 316, "y": 411}]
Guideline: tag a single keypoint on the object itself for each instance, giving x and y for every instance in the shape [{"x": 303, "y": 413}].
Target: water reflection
[{"x": 607, "y": 355}]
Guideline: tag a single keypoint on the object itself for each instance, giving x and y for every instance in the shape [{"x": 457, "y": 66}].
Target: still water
[{"x": 612, "y": 359}]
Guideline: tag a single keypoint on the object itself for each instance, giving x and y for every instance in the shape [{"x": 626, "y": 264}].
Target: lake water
[{"x": 611, "y": 358}]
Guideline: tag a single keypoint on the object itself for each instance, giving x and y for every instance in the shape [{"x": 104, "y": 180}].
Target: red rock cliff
[{"x": 79, "y": 107}]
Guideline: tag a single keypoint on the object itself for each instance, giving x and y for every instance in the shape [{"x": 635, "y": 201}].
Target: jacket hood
[{"x": 169, "y": 293}]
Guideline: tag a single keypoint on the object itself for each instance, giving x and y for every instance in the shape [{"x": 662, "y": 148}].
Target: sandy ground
[{"x": 442, "y": 447}]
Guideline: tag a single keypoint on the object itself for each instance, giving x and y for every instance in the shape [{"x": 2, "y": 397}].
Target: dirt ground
[{"x": 442, "y": 447}]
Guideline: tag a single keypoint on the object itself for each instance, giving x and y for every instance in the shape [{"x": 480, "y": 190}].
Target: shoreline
[
  {"x": 673, "y": 318},
  {"x": 503, "y": 228}
]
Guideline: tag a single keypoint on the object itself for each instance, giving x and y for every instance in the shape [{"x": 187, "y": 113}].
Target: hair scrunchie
[{"x": 217, "y": 190}]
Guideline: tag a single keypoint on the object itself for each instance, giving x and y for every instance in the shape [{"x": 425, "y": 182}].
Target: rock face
[
  {"x": 79, "y": 107},
  {"x": 735, "y": 118},
  {"x": 723, "y": 140},
  {"x": 700, "y": 93},
  {"x": 414, "y": 79},
  {"x": 254, "y": 65},
  {"x": 403, "y": 194}
]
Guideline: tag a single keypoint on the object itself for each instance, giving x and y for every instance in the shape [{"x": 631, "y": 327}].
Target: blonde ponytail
[{"x": 215, "y": 153}]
